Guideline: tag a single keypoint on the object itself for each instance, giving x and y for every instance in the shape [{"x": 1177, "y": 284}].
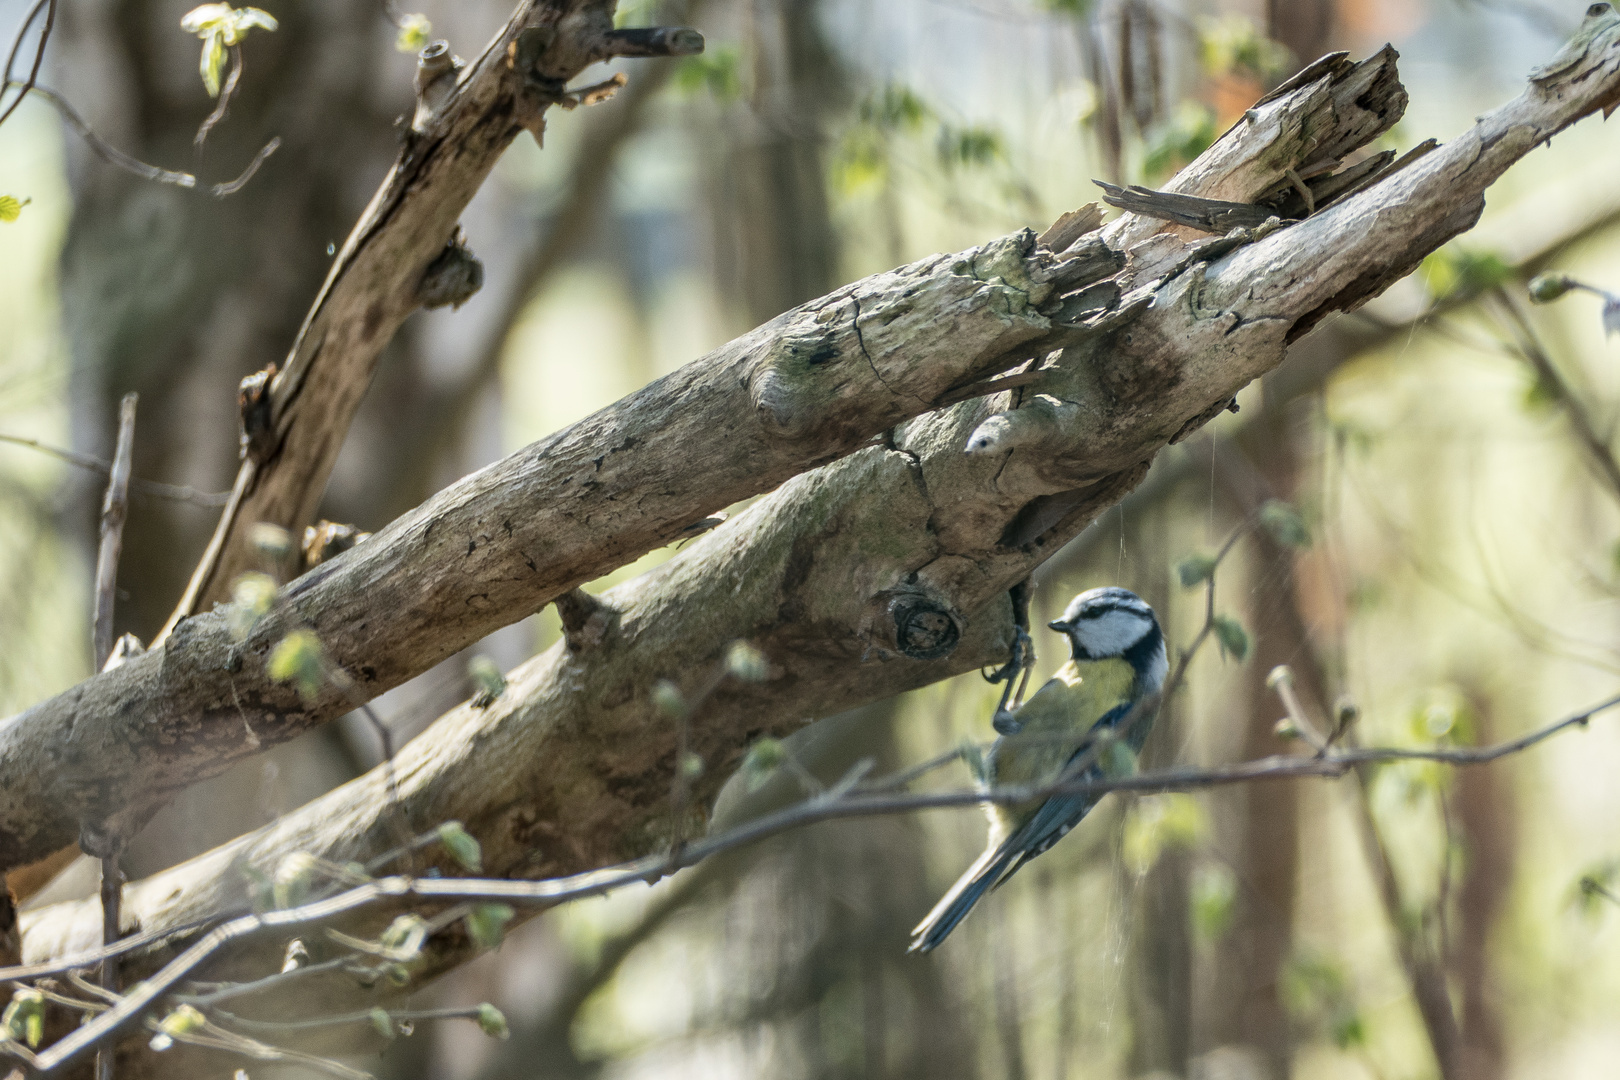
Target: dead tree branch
[{"x": 884, "y": 571}]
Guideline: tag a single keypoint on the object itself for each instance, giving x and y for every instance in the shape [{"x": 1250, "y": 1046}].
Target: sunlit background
[{"x": 1461, "y": 583}]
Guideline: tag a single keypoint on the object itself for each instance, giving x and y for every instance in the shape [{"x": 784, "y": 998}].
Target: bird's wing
[{"x": 1059, "y": 813}]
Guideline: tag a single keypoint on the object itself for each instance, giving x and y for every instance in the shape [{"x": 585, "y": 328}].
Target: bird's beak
[{"x": 1060, "y": 625}]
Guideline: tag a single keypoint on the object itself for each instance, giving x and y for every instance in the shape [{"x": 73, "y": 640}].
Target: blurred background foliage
[{"x": 1445, "y": 448}]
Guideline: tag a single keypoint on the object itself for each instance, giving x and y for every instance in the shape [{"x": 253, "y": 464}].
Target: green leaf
[
  {"x": 213, "y": 62},
  {"x": 486, "y": 924},
  {"x": 492, "y": 1022},
  {"x": 1545, "y": 288},
  {"x": 405, "y": 934},
  {"x": 294, "y": 875},
  {"x": 1454, "y": 272},
  {"x": 1233, "y": 638},
  {"x": 250, "y": 18},
  {"x": 668, "y": 699},
  {"x": 747, "y": 663},
  {"x": 1348, "y": 1031},
  {"x": 298, "y": 658},
  {"x": 764, "y": 757},
  {"x": 11, "y": 207},
  {"x": 182, "y": 1021},
  {"x": 221, "y": 26},
  {"x": 1213, "y": 901},
  {"x": 462, "y": 845},
  {"x": 383, "y": 1023},
  {"x": 206, "y": 19},
  {"x": 716, "y": 71},
  {"x": 1284, "y": 524},
  {"x": 1157, "y": 823},
  {"x": 252, "y": 595},
  {"x": 969, "y": 146},
  {"x": 1195, "y": 569},
  {"x": 1188, "y": 132},
  {"x": 414, "y": 31},
  {"x": 1235, "y": 44},
  {"x": 24, "y": 1018},
  {"x": 488, "y": 682},
  {"x": 895, "y": 108}
]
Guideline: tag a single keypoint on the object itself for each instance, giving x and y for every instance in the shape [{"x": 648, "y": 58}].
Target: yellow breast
[{"x": 1054, "y": 725}]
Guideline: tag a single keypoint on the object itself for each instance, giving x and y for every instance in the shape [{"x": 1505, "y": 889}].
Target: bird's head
[{"x": 1109, "y": 622}]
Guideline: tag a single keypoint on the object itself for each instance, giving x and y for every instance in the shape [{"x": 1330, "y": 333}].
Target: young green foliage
[
  {"x": 1284, "y": 524},
  {"x": 11, "y": 207},
  {"x": 764, "y": 757},
  {"x": 492, "y": 1022},
  {"x": 414, "y": 31},
  {"x": 486, "y": 924},
  {"x": 252, "y": 596},
  {"x": 24, "y": 1018},
  {"x": 1195, "y": 569},
  {"x": 488, "y": 682},
  {"x": 299, "y": 659},
  {"x": 1234, "y": 640},
  {"x": 462, "y": 846},
  {"x": 1213, "y": 901},
  {"x": 221, "y": 27}
]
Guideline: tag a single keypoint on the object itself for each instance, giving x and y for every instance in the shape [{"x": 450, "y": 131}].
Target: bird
[{"x": 1114, "y": 676}]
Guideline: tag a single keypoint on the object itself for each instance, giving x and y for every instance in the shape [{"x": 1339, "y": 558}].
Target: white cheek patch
[{"x": 1112, "y": 633}]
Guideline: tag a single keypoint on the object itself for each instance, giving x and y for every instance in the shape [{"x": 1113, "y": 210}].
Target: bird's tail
[{"x": 990, "y": 868}]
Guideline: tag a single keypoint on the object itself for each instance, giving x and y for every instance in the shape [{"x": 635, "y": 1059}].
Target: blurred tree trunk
[
  {"x": 1305, "y": 26},
  {"x": 1483, "y": 805},
  {"x": 775, "y": 241},
  {"x": 1162, "y": 979},
  {"x": 1262, "y": 932}
]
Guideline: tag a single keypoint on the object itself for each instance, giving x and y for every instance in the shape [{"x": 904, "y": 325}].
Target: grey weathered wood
[
  {"x": 570, "y": 767},
  {"x": 811, "y": 385}
]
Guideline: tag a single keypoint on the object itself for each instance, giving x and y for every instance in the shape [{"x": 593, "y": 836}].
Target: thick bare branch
[
  {"x": 815, "y": 383},
  {"x": 884, "y": 571}
]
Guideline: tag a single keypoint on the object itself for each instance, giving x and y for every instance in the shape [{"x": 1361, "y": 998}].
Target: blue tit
[{"x": 1118, "y": 662}]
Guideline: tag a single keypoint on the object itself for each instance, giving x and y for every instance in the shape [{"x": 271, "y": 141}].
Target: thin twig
[
  {"x": 114, "y": 508},
  {"x": 172, "y": 492},
  {"x": 224, "y": 105},
  {"x": 235, "y": 990},
  {"x": 117, "y": 158},
  {"x": 39, "y": 54},
  {"x": 145, "y": 995},
  {"x": 1529, "y": 348},
  {"x": 366, "y": 1017}
]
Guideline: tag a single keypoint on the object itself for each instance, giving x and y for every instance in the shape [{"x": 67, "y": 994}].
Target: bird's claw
[{"x": 1006, "y": 723}]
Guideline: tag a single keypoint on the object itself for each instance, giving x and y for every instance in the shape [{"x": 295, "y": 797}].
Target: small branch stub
[
  {"x": 436, "y": 71},
  {"x": 452, "y": 278},
  {"x": 924, "y": 628},
  {"x": 254, "y": 408},
  {"x": 655, "y": 41}
]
